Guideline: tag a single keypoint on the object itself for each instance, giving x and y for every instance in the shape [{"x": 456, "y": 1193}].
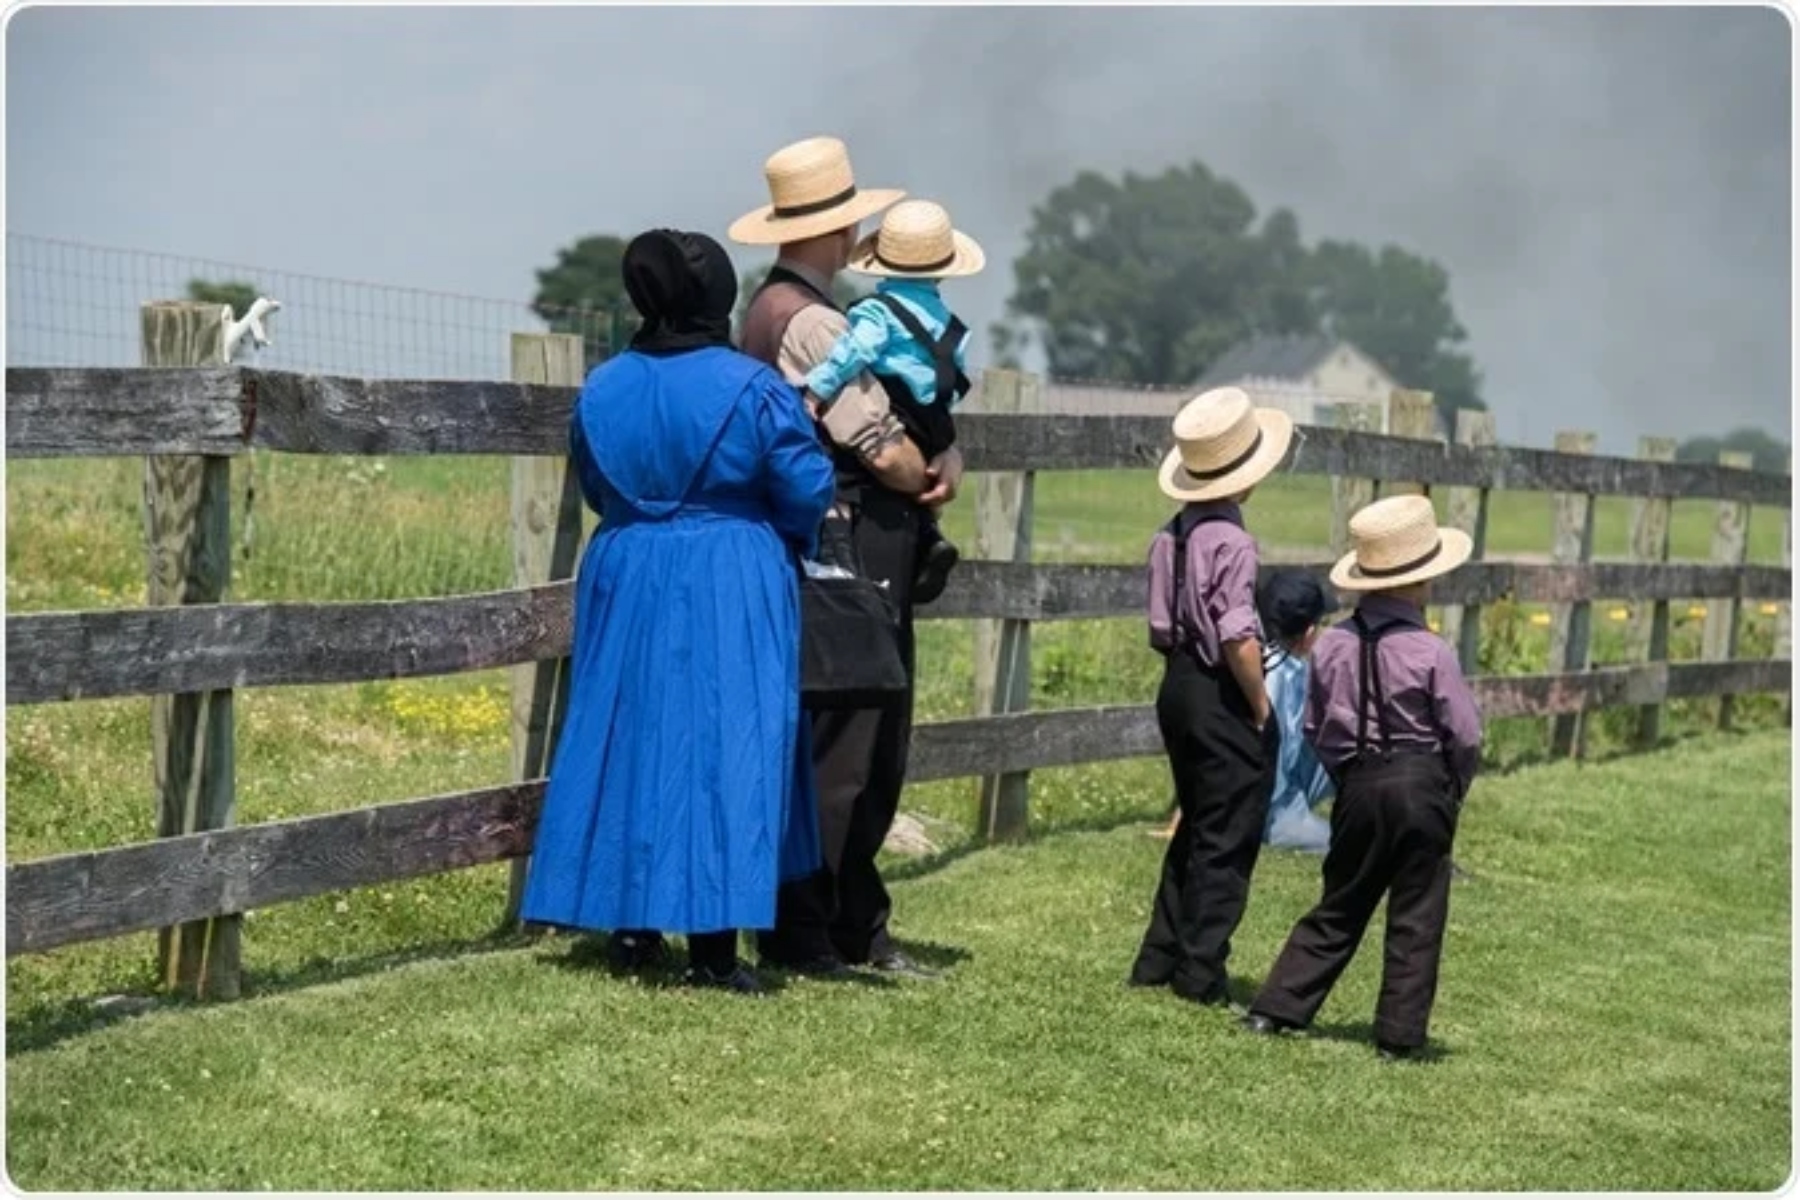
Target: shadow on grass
[{"x": 42, "y": 1027}]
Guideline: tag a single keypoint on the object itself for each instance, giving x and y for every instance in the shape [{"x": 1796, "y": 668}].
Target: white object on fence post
[
  {"x": 1467, "y": 509},
  {"x": 187, "y": 528},
  {"x": 1650, "y": 544},
  {"x": 546, "y": 536},
  {"x": 1571, "y": 624},
  {"x": 1003, "y": 647},
  {"x": 1731, "y": 541},
  {"x": 251, "y": 323}
]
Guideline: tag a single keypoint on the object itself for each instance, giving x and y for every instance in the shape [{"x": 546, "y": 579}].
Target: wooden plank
[
  {"x": 1003, "y": 503},
  {"x": 1730, "y": 546},
  {"x": 63, "y": 412},
  {"x": 1571, "y": 625},
  {"x": 1411, "y": 414},
  {"x": 144, "y": 651},
  {"x": 133, "y": 652},
  {"x": 208, "y": 411},
  {"x": 107, "y": 893},
  {"x": 79, "y": 897},
  {"x": 1350, "y": 490},
  {"x": 187, "y": 528},
  {"x": 1649, "y": 632},
  {"x": 546, "y": 533},
  {"x": 1467, "y": 509}
]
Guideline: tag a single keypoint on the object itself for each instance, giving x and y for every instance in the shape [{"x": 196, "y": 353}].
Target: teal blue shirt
[{"x": 877, "y": 342}]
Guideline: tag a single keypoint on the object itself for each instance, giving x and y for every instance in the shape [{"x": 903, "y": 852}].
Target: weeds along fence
[{"x": 189, "y": 650}]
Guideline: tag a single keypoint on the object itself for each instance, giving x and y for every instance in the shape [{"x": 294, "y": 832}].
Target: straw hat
[
  {"x": 811, "y": 192},
  {"x": 917, "y": 241},
  {"x": 1398, "y": 541},
  {"x": 1224, "y": 445}
]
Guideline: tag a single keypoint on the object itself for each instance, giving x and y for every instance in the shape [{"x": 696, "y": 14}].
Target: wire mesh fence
[{"x": 75, "y": 304}]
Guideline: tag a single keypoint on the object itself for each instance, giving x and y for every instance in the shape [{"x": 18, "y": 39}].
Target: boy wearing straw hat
[
  {"x": 1394, "y": 722},
  {"x": 906, "y": 333},
  {"x": 885, "y": 484},
  {"x": 1212, "y": 708}
]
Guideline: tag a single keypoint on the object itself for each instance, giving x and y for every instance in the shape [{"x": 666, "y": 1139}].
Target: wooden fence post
[
  {"x": 1003, "y": 647},
  {"x": 1650, "y": 544},
  {"x": 1467, "y": 510},
  {"x": 1411, "y": 414},
  {"x": 546, "y": 534},
  {"x": 1571, "y": 624},
  {"x": 1349, "y": 493},
  {"x": 1731, "y": 541},
  {"x": 187, "y": 535}
]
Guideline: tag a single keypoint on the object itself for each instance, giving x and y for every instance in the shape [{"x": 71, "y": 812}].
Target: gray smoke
[{"x": 1609, "y": 188}]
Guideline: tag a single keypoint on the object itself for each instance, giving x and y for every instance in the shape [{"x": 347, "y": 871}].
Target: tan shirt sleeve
[{"x": 860, "y": 418}]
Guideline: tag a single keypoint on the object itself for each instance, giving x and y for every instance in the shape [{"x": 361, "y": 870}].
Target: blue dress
[
  {"x": 1300, "y": 779},
  {"x": 681, "y": 792}
]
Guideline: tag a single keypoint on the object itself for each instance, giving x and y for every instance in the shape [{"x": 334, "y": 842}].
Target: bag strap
[{"x": 952, "y": 384}]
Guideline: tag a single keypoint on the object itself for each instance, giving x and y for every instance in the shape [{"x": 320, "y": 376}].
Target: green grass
[{"x": 1614, "y": 1014}]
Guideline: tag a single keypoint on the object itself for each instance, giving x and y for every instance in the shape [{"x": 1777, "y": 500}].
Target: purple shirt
[
  {"x": 1218, "y": 597},
  {"x": 1427, "y": 703}
]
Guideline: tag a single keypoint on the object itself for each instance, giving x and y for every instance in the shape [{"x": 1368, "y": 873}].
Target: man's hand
[{"x": 944, "y": 476}]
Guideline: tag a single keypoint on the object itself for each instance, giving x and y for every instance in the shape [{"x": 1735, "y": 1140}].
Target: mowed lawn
[{"x": 1614, "y": 1014}]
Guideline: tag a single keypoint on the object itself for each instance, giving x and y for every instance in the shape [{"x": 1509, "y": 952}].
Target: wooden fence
[{"x": 191, "y": 651}]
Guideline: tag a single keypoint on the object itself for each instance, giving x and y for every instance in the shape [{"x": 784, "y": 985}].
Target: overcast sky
[{"x": 1609, "y": 189}]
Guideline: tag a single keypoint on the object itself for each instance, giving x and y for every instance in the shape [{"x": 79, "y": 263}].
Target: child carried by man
[{"x": 906, "y": 335}]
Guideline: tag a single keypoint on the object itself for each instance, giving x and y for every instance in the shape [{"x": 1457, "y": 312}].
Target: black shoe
[
  {"x": 825, "y": 966},
  {"x": 1264, "y": 1025},
  {"x": 898, "y": 962},
  {"x": 1217, "y": 996},
  {"x": 739, "y": 979},
  {"x": 636, "y": 951},
  {"x": 1388, "y": 1052},
  {"x": 935, "y": 565}
]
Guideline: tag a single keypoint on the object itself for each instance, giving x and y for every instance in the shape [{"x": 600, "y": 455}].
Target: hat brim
[
  {"x": 1277, "y": 432},
  {"x": 967, "y": 260},
  {"x": 1454, "y": 549},
  {"x": 764, "y": 228}
]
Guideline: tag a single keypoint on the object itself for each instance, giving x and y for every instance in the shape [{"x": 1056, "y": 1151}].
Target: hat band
[
  {"x": 939, "y": 265},
  {"x": 1234, "y": 464},
  {"x": 817, "y": 206},
  {"x": 1403, "y": 568}
]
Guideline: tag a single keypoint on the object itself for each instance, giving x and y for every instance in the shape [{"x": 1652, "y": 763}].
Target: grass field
[
  {"x": 482, "y": 1027},
  {"x": 1614, "y": 1014}
]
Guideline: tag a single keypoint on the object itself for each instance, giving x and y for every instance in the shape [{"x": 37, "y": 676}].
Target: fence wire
[{"x": 76, "y": 304}]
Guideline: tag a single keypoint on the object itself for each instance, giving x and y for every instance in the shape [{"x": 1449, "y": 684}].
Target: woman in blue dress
[{"x": 681, "y": 792}]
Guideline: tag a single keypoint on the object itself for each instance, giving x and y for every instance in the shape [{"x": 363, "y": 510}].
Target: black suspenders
[
  {"x": 1368, "y": 683},
  {"x": 952, "y": 384},
  {"x": 1181, "y": 526}
]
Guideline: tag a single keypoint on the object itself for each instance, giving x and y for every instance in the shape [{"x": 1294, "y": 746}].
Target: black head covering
[
  {"x": 1289, "y": 602},
  {"x": 683, "y": 286}
]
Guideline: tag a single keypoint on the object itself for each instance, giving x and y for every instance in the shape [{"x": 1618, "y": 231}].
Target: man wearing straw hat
[
  {"x": 840, "y": 916},
  {"x": 1394, "y": 723}
]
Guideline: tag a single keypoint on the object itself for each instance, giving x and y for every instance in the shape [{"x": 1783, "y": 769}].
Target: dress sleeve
[{"x": 798, "y": 473}]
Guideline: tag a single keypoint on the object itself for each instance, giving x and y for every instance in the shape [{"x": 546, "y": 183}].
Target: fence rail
[
  {"x": 209, "y": 649},
  {"x": 91, "y": 655},
  {"x": 74, "y": 412},
  {"x": 107, "y": 893}
]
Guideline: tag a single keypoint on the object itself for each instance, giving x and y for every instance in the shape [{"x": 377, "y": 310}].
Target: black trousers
[
  {"x": 1222, "y": 769},
  {"x": 1392, "y": 825},
  {"x": 859, "y": 763}
]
